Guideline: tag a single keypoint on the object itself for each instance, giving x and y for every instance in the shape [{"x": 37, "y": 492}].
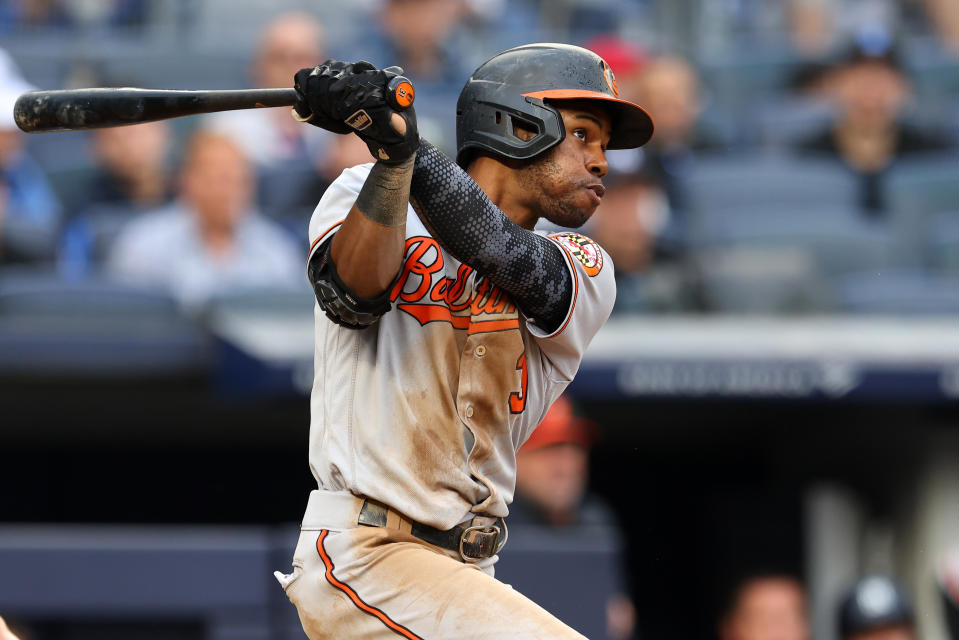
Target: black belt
[{"x": 473, "y": 543}]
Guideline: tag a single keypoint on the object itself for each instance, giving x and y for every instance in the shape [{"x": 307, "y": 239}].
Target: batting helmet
[
  {"x": 519, "y": 86},
  {"x": 872, "y": 603}
]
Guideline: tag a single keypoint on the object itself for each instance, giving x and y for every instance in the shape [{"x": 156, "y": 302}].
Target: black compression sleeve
[{"x": 530, "y": 268}]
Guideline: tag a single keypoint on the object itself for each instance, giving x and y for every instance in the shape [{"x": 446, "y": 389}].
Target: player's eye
[{"x": 580, "y": 133}]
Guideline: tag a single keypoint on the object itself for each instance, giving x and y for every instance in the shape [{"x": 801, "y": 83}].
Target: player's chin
[
  {"x": 570, "y": 220},
  {"x": 571, "y": 213}
]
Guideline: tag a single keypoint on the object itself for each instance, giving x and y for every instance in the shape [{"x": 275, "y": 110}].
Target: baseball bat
[{"x": 69, "y": 109}]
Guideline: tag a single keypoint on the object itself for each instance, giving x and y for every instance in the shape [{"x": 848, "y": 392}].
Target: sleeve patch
[{"x": 583, "y": 249}]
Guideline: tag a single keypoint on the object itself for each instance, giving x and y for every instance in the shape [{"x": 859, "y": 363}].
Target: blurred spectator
[
  {"x": 870, "y": 89},
  {"x": 633, "y": 224},
  {"x": 669, "y": 89},
  {"x": 552, "y": 469},
  {"x": 876, "y": 609},
  {"x": 210, "y": 241},
  {"x": 285, "y": 152},
  {"x": 292, "y": 41},
  {"x": 131, "y": 170},
  {"x": 30, "y": 14},
  {"x": 131, "y": 176},
  {"x": 417, "y": 36},
  {"x": 766, "y": 607},
  {"x": 816, "y": 26},
  {"x": 428, "y": 39},
  {"x": 19, "y": 15},
  {"x": 29, "y": 210},
  {"x": 551, "y": 472},
  {"x": 343, "y": 152}
]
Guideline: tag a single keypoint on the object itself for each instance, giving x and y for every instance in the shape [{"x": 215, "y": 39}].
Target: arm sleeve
[{"x": 531, "y": 268}]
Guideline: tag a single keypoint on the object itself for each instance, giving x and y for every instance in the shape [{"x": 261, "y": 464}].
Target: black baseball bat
[{"x": 69, "y": 109}]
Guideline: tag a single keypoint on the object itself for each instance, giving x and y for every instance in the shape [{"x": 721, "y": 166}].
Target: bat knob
[{"x": 400, "y": 93}]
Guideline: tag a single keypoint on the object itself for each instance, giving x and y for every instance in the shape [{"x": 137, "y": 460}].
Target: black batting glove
[
  {"x": 342, "y": 97},
  {"x": 315, "y": 81}
]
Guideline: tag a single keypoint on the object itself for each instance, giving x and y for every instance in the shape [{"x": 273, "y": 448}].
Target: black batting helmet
[
  {"x": 518, "y": 87},
  {"x": 873, "y": 602}
]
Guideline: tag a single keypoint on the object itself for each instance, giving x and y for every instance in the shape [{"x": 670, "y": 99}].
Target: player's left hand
[{"x": 343, "y": 97}]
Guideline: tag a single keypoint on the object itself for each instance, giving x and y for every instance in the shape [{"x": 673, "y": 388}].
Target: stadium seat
[
  {"x": 898, "y": 292},
  {"x": 741, "y": 77},
  {"x": 917, "y": 191},
  {"x": 761, "y": 280},
  {"x": 784, "y": 122},
  {"x": 924, "y": 185},
  {"x": 727, "y": 182},
  {"x": 935, "y": 74},
  {"x": 837, "y": 239},
  {"x": 942, "y": 242}
]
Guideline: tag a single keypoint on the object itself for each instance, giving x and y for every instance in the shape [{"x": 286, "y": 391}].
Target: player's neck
[{"x": 498, "y": 182}]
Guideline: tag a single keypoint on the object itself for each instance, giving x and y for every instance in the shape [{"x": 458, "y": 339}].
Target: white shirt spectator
[{"x": 165, "y": 248}]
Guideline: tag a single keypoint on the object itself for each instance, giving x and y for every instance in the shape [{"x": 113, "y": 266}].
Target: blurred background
[{"x": 763, "y": 443}]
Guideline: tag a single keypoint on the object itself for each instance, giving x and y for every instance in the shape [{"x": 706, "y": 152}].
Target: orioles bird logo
[{"x": 610, "y": 79}]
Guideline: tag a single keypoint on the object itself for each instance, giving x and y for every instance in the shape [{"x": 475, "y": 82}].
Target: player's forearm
[
  {"x": 476, "y": 232},
  {"x": 368, "y": 248}
]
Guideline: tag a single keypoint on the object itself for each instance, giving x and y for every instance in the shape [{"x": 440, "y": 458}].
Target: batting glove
[{"x": 342, "y": 97}]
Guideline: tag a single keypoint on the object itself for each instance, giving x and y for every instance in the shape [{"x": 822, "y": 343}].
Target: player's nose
[{"x": 596, "y": 162}]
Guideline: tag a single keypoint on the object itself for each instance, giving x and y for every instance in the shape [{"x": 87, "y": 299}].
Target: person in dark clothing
[
  {"x": 131, "y": 176},
  {"x": 870, "y": 89},
  {"x": 670, "y": 88},
  {"x": 638, "y": 229},
  {"x": 552, "y": 471},
  {"x": 132, "y": 170}
]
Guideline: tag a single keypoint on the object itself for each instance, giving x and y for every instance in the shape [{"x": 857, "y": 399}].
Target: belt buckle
[{"x": 492, "y": 529}]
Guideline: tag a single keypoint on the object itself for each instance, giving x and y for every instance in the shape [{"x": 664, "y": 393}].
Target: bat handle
[{"x": 400, "y": 93}]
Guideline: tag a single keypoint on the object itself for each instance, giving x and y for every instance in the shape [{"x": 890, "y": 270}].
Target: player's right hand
[{"x": 343, "y": 97}]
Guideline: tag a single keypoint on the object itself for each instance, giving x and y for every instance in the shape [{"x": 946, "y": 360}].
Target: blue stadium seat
[
  {"x": 924, "y": 185},
  {"x": 728, "y": 182},
  {"x": 898, "y": 292},
  {"x": 837, "y": 239},
  {"x": 935, "y": 74},
  {"x": 942, "y": 242},
  {"x": 740, "y": 77},
  {"x": 741, "y": 279},
  {"x": 781, "y": 122},
  {"x": 917, "y": 190}
]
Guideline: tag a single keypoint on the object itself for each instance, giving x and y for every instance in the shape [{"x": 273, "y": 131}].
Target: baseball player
[{"x": 445, "y": 327}]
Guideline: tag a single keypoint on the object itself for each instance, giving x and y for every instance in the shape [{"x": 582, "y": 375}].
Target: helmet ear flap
[{"x": 499, "y": 127}]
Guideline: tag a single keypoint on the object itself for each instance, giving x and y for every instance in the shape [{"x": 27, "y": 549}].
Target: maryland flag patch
[{"x": 583, "y": 249}]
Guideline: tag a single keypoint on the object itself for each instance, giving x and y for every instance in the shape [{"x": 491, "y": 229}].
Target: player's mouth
[{"x": 597, "y": 192}]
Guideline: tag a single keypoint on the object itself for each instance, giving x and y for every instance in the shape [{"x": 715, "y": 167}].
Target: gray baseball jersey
[{"x": 425, "y": 410}]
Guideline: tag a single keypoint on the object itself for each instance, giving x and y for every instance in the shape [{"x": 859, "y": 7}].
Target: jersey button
[
  {"x": 469, "y": 411},
  {"x": 480, "y": 351}
]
